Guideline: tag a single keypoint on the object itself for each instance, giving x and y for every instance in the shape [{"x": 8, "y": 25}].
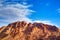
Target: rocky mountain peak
[{"x": 29, "y": 31}]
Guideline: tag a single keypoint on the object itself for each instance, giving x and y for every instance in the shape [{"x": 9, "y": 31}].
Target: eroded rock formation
[{"x": 28, "y": 31}]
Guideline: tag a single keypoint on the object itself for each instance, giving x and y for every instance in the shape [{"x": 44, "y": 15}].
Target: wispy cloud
[{"x": 17, "y": 12}]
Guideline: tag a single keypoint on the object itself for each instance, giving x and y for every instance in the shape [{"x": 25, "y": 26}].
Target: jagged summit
[
  {"x": 22, "y": 30},
  {"x": 23, "y": 23}
]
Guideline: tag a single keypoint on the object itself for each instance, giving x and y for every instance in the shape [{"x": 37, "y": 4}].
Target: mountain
[{"x": 29, "y": 31}]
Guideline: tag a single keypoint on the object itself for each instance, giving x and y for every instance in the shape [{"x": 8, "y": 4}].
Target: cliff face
[{"x": 29, "y": 31}]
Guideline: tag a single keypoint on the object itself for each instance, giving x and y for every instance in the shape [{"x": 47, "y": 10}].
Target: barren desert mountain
[{"x": 29, "y": 31}]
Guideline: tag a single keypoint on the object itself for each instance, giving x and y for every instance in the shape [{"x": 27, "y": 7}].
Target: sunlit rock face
[{"x": 28, "y": 31}]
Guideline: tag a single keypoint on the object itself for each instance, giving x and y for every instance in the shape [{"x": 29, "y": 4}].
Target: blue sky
[{"x": 45, "y": 11}]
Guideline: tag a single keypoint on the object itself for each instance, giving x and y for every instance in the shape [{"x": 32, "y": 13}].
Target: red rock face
[{"x": 29, "y": 31}]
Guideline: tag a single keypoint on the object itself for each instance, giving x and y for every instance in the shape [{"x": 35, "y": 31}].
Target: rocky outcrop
[{"x": 28, "y": 31}]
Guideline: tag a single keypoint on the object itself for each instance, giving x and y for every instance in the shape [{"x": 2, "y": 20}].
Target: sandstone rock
[{"x": 28, "y": 31}]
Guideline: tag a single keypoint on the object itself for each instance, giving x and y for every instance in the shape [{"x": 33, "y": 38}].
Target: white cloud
[{"x": 17, "y": 12}]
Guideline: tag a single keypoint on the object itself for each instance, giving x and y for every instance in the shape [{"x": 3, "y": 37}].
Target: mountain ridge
[{"x": 22, "y": 30}]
